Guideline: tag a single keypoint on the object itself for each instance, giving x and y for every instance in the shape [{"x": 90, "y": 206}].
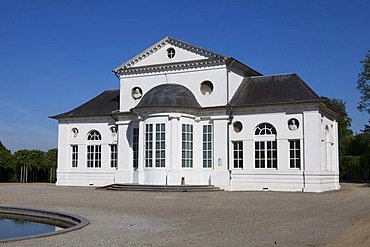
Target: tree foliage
[
  {"x": 356, "y": 163},
  {"x": 6, "y": 164},
  {"x": 27, "y": 165},
  {"x": 363, "y": 84},
  {"x": 345, "y": 134}
]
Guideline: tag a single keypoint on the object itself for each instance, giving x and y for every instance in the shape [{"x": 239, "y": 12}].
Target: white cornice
[
  {"x": 172, "y": 66},
  {"x": 161, "y": 44}
]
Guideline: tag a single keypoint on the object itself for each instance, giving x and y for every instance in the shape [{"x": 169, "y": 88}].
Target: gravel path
[{"x": 337, "y": 218}]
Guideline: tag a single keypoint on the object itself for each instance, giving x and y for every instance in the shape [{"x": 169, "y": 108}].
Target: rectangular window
[
  {"x": 259, "y": 152},
  {"x": 160, "y": 145},
  {"x": 207, "y": 146},
  {"x": 271, "y": 154},
  {"x": 90, "y": 156},
  {"x": 149, "y": 145},
  {"x": 94, "y": 156},
  {"x": 265, "y": 153},
  {"x": 238, "y": 154},
  {"x": 295, "y": 153},
  {"x": 135, "y": 147},
  {"x": 187, "y": 146},
  {"x": 97, "y": 155},
  {"x": 113, "y": 156},
  {"x": 74, "y": 155}
]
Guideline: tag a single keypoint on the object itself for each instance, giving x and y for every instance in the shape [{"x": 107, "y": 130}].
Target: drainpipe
[
  {"x": 229, "y": 112},
  {"x": 303, "y": 156}
]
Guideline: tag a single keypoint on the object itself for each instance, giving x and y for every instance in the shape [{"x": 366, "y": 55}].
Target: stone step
[{"x": 161, "y": 188}]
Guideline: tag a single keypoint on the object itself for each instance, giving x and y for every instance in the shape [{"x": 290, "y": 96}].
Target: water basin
[
  {"x": 14, "y": 228},
  {"x": 25, "y": 223}
]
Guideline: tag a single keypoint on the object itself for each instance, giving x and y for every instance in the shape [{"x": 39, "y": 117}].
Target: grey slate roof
[
  {"x": 274, "y": 89},
  {"x": 102, "y": 105},
  {"x": 168, "y": 95},
  {"x": 253, "y": 91}
]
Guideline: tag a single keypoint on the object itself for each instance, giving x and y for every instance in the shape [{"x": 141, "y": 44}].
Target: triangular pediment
[{"x": 169, "y": 51}]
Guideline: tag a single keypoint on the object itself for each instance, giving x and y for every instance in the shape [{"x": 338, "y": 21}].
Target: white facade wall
[
  {"x": 234, "y": 81},
  {"x": 173, "y": 173},
  {"x": 160, "y": 56},
  {"x": 318, "y": 171},
  {"x": 83, "y": 175},
  {"x": 317, "y": 134},
  {"x": 311, "y": 176},
  {"x": 282, "y": 178},
  {"x": 190, "y": 79}
]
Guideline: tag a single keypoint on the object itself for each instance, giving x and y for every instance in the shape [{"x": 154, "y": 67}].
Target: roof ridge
[
  {"x": 292, "y": 73},
  {"x": 111, "y": 90}
]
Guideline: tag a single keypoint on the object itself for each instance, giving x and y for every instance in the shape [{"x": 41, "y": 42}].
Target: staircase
[{"x": 160, "y": 188}]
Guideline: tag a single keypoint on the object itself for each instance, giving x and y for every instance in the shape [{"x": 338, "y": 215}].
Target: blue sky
[{"x": 56, "y": 55}]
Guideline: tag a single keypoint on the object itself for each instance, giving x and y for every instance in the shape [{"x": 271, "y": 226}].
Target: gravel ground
[{"x": 337, "y": 218}]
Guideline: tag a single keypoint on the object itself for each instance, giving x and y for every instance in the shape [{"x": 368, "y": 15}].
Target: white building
[{"x": 186, "y": 115}]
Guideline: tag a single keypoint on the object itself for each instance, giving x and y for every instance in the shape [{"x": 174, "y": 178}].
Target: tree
[
  {"x": 6, "y": 164},
  {"x": 51, "y": 161},
  {"x": 36, "y": 165},
  {"x": 21, "y": 163},
  {"x": 28, "y": 165},
  {"x": 363, "y": 84},
  {"x": 359, "y": 153},
  {"x": 345, "y": 134}
]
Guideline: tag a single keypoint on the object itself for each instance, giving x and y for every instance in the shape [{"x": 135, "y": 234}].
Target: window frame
[
  {"x": 135, "y": 148},
  {"x": 113, "y": 156},
  {"x": 187, "y": 145},
  {"x": 93, "y": 152},
  {"x": 155, "y": 145},
  {"x": 238, "y": 155},
  {"x": 94, "y": 149},
  {"x": 74, "y": 155},
  {"x": 265, "y": 154},
  {"x": 160, "y": 145},
  {"x": 94, "y": 135},
  {"x": 295, "y": 151},
  {"x": 265, "y": 147},
  {"x": 148, "y": 147},
  {"x": 207, "y": 141}
]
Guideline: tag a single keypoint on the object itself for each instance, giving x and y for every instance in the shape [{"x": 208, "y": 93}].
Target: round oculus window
[
  {"x": 136, "y": 93},
  {"x": 238, "y": 126},
  {"x": 293, "y": 124},
  {"x": 171, "y": 52},
  {"x": 206, "y": 87}
]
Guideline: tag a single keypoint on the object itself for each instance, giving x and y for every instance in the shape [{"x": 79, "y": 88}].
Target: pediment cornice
[
  {"x": 168, "y": 40},
  {"x": 173, "y": 66}
]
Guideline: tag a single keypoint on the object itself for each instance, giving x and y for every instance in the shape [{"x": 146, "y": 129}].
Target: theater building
[{"x": 187, "y": 115}]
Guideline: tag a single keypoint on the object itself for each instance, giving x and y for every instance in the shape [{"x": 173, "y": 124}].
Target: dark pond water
[{"x": 14, "y": 228}]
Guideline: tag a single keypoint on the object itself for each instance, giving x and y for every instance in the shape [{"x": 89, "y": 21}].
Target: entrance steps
[{"x": 161, "y": 188}]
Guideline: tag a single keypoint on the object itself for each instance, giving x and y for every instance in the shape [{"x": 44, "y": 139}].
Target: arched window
[
  {"x": 265, "y": 146},
  {"x": 94, "y": 136},
  {"x": 327, "y": 149},
  {"x": 265, "y": 129},
  {"x": 93, "y": 150}
]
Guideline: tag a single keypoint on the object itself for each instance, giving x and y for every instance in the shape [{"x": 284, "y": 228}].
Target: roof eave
[
  {"x": 317, "y": 101},
  {"x": 232, "y": 62}
]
